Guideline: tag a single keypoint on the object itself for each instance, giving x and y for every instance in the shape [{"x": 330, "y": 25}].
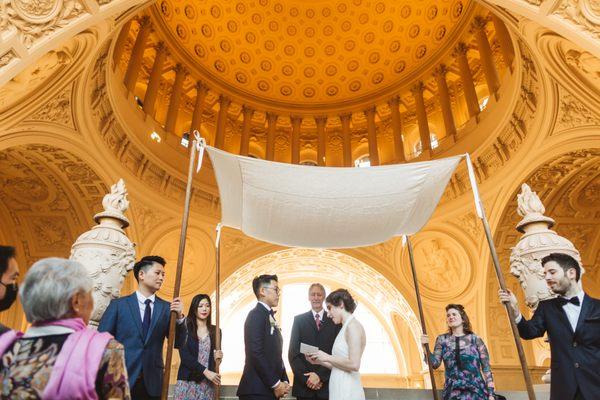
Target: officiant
[{"x": 313, "y": 328}]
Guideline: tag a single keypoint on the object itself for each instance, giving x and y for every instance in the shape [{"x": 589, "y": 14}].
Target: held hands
[
  {"x": 313, "y": 382},
  {"x": 508, "y": 297},
  {"x": 281, "y": 390},
  {"x": 213, "y": 377},
  {"x": 177, "y": 306}
]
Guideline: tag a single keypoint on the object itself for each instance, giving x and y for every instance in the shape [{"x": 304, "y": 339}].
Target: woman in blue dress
[{"x": 466, "y": 360}]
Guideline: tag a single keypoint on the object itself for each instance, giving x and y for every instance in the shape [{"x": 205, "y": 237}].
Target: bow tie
[{"x": 573, "y": 300}]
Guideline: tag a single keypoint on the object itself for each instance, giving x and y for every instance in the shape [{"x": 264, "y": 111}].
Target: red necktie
[{"x": 318, "y": 321}]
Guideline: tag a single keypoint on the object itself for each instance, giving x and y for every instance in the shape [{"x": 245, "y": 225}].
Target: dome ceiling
[{"x": 309, "y": 53}]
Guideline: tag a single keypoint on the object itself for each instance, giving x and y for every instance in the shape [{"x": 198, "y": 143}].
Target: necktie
[
  {"x": 573, "y": 300},
  {"x": 318, "y": 321},
  {"x": 147, "y": 318},
  {"x": 272, "y": 313}
]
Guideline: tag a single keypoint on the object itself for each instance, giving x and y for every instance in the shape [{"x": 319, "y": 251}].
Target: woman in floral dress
[
  {"x": 196, "y": 378},
  {"x": 466, "y": 359}
]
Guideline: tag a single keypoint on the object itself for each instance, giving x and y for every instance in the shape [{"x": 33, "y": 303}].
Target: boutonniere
[{"x": 274, "y": 324}]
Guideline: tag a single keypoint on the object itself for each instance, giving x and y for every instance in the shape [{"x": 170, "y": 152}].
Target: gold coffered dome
[{"x": 309, "y": 53}]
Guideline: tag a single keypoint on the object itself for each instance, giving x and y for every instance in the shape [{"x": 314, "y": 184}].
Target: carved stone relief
[
  {"x": 57, "y": 110},
  {"x": 573, "y": 113},
  {"x": 584, "y": 13}
]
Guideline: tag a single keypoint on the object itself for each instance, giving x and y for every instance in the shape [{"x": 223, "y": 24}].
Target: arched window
[
  {"x": 434, "y": 143},
  {"x": 362, "y": 162},
  {"x": 483, "y": 103},
  {"x": 379, "y": 356}
]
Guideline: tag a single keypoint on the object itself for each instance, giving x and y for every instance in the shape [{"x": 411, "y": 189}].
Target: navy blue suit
[
  {"x": 264, "y": 365},
  {"x": 122, "y": 320},
  {"x": 575, "y": 356}
]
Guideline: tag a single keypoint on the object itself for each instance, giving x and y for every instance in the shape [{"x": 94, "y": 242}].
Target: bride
[{"x": 344, "y": 361}]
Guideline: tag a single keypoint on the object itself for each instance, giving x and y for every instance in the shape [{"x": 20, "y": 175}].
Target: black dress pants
[{"x": 138, "y": 391}]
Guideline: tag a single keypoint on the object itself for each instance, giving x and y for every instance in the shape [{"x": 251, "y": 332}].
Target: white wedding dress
[{"x": 344, "y": 385}]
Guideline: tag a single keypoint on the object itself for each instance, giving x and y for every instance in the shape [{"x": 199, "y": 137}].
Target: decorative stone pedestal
[{"x": 106, "y": 251}]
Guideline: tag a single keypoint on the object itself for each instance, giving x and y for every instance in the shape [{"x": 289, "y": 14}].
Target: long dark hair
[
  {"x": 463, "y": 314},
  {"x": 192, "y": 323}
]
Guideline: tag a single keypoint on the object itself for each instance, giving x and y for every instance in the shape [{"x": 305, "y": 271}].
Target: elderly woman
[{"x": 58, "y": 357}]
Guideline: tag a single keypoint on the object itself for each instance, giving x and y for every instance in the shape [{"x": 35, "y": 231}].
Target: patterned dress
[
  {"x": 468, "y": 373},
  {"x": 205, "y": 390},
  {"x": 26, "y": 368}
]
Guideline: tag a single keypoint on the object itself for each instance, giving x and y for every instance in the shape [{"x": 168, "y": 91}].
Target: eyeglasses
[{"x": 276, "y": 289}]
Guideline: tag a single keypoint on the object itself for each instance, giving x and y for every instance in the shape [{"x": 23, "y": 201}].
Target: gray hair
[
  {"x": 316, "y": 285},
  {"x": 49, "y": 286}
]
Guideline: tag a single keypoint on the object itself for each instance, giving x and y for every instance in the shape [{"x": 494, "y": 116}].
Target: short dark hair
[
  {"x": 565, "y": 261},
  {"x": 339, "y": 296},
  {"x": 467, "y": 329},
  {"x": 262, "y": 281},
  {"x": 6, "y": 253},
  {"x": 145, "y": 264}
]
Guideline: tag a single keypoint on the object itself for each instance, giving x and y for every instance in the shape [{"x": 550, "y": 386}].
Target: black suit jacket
[
  {"x": 305, "y": 330},
  {"x": 190, "y": 368},
  {"x": 575, "y": 355},
  {"x": 263, "y": 366}
]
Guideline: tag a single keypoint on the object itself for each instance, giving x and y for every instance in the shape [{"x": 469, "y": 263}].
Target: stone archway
[{"x": 335, "y": 269}]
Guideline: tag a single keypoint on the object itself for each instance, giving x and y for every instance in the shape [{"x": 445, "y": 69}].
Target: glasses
[{"x": 276, "y": 289}]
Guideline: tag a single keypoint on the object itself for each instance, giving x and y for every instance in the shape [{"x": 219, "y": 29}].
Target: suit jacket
[
  {"x": 575, "y": 355},
  {"x": 305, "y": 330},
  {"x": 190, "y": 369},
  {"x": 263, "y": 366},
  {"x": 122, "y": 320}
]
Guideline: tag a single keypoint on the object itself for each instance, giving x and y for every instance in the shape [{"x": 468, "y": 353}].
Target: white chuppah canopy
[{"x": 323, "y": 207}]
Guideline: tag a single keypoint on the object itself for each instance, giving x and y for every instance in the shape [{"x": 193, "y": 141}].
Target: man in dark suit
[
  {"x": 264, "y": 376},
  {"x": 572, "y": 321},
  {"x": 316, "y": 329},
  {"x": 140, "y": 322}
]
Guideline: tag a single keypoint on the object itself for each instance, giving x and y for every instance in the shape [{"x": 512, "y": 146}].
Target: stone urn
[
  {"x": 538, "y": 241},
  {"x": 105, "y": 250}
]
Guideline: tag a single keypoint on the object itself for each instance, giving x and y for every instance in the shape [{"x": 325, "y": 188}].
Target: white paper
[{"x": 308, "y": 349}]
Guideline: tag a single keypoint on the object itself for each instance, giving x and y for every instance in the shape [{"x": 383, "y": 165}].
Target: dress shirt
[
  {"x": 142, "y": 304},
  {"x": 321, "y": 314},
  {"x": 269, "y": 309},
  {"x": 571, "y": 310}
]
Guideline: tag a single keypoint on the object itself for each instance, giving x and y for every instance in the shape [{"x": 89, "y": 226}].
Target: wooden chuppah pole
[
  {"x": 218, "y": 305},
  {"x": 501, "y": 281},
  {"x": 184, "y": 224},
  {"x": 421, "y": 316}
]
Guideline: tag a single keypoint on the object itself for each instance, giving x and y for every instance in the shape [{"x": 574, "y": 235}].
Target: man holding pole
[
  {"x": 572, "y": 321},
  {"x": 140, "y": 322}
]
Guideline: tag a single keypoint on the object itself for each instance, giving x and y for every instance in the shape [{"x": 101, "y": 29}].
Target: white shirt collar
[
  {"x": 265, "y": 305},
  {"x": 321, "y": 313},
  {"x": 581, "y": 294},
  {"x": 142, "y": 299}
]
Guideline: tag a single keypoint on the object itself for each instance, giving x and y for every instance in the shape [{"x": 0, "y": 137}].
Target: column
[
  {"x": 321, "y": 121},
  {"x": 135, "y": 62},
  {"x": 417, "y": 92},
  {"x": 394, "y": 104},
  {"x": 345, "y": 120},
  {"x": 271, "y": 127},
  {"x": 444, "y": 98},
  {"x": 372, "y": 133},
  {"x": 296, "y": 123},
  {"x": 485, "y": 52},
  {"x": 201, "y": 91},
  {"x": 175, "y": 100},
  {"x": 224, "y": 103},
  {"x": 506, "y": 45},
  {"x": 247, "y": 113},
  {"x": 120, "y": 43},
  {"x": 154, "y": 80},
  {"x": 460, "y": 52}
]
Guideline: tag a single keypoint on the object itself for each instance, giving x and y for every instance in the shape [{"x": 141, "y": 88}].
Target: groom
[{"x": 264, "y": 376}]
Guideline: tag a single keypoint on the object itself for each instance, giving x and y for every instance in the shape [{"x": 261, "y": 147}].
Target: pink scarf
[{"x": 74, "y": 373}]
